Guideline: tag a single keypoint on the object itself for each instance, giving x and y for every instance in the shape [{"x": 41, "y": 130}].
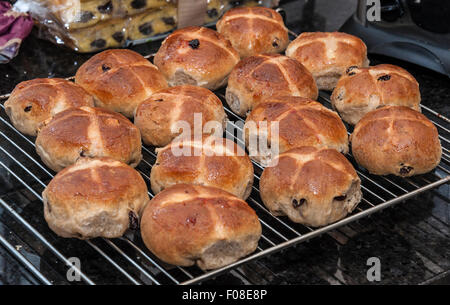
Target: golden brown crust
[
  {"x": 120, "y": 79},
  {"x": 231, "y": 170},
  {"x": 157, "y": 116},
  {"x": 89, "y": 132},
  {"x": 396, "y": 140},
  {"x": 313, "y": 186},
  {"x": 34, "y": 101},
  {"x": 185, "y": 224},
  {"x": 196, "y": 56},
  {"x": 361, "y": 90},
  {"x": 262, "y": 76},
  {"x": 327, "y": 54},
  {"x": 254, "y": 30},
  {"x": 302, "y": 122},
  {"x": 94, "y": 197}
]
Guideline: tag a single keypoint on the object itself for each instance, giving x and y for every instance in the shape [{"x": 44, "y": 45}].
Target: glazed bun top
[
  {"x": 258, "y": 77},
  {"x": 96, "y": 181},
  {"x": 321, "y": 52},
  {"x": 197, "y": 56},
  {"x": 187, "y": 224},
  {"x": 312, "y": 186},
  {"x": 88, "y": 132},
  {"x": 219, "y": 162},
  {"x": 120, "y": 79},
  {"x": 95, "y": 197},
  {"x": 158, "y": 116},
  {"x": 396, "y": 140},
  {"x": 34, "y": 101},
  {"x": 361, "y": 90},
  {"x": 302, "y": 122},
  {"x": 318, "y": 174},
  {"x": 254, "y": 30}
]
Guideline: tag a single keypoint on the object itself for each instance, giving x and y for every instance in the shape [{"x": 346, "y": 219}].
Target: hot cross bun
[
  {"x": 262, "y": 76},
  {"x": 361, "y": 90},
  {"x": 88, "y": 132},
  {"x": 254, "y": 30},
  {"x": 95, "y": 197},
  {"x": 328, "y": 55},
  {"x": 312, "y": 186},
  {"x": 191, "y": 224},
  {"x": 196, "y": 56},
  {"x": 34, "y": 101},
  {"x": 120, "y": 80},
  {"x": 396, "y": 140},
  {"x": 158, "y": 116},
  {"x": 301, "y": 122},
  {"x": 219, "y": 162}
]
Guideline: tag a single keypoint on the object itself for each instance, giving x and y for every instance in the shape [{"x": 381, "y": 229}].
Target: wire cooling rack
[{"x": 126, "y": 260}]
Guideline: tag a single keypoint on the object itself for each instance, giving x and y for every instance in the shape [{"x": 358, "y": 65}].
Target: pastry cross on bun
[
  {"x": 396, "y": 140},
  {"x": 196, "y": 56},
  {"x": 312, "y": 186},
  {"x": 220, "y": 163},
  {"x": 361, "y": 90},
  {"x": 98, "y": 197},
  {"x": 191, "y": 224},
  {"x": 254, "y": 30},
  {"x": 120, "y": 80},
  {"x": 34, "y": 101},
  {"x": 328, "y": 55},
  {"x": 261, "y": 76},
  {"x": 157, "y": 117},
  {"x": 302, "y": 122},
  {"x": 88, "y": 132}
]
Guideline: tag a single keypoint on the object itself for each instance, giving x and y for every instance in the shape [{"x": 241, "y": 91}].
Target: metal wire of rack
[{"x": 128, "y": 258}]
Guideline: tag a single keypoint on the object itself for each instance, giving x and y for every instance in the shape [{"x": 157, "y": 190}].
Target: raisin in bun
[
  {"x": 120, "y": 80},
  {"x": 328, "y": 55},
  {"x": 196, "y": 56},
  {"x": 88, "y": 132},
  {"x": 396, "y": 140},
  {"x": 191, "y": 224},
  {"x": 210, "y": 161},
  {"x": 34, "y": 101},
  {"x": 361, "y": 90},
  {"x": 301, "y": 122},
  {"x": 254, "y": 30},
  {"x": 312, "y": 186},
  {"x": 158, "y": 117},
  {"x": 261, "y": 76},
  {"x": 95, "y": 197}
]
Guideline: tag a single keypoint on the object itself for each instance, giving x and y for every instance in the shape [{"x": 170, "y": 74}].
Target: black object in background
[
  {"x": 391, "y": 10},
  {"x": 417, "y": 31},
  {"x": 432, "y": 15}
]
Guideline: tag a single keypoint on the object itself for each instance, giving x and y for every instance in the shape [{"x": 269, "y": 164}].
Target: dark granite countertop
[{"x": 411, "y": 239}]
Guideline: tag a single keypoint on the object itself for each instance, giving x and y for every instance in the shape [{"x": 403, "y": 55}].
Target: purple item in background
[{"x": 14, "y": 27}]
